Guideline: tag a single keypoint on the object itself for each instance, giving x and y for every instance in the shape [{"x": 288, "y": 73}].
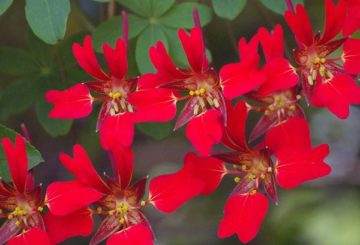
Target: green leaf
[
  {"x": 228, "y": 9},
  {"x": 16, "y": 98},
  {"x": 34, "y": 156},
  {"x": 148, "y": 38},
  {"x": 181, "y": 15},
  {"x": 47, "y": 18},
  {"x": 4, "y": 5},
  {"x": 160, "y": 7},
  {"x": 156, "y": 131},
  {"x": 277, "y": 6},
  {"x": 17, "y": 62},
  {"x": 140, "y": 7},
  {"x": 54, "y": 127},
  {"x": 176, "y": 50},
  {"x": 111, "y": 30}
]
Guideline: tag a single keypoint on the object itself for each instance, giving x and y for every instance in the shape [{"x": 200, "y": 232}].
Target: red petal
[
  {"x": 75, "y": 102},
  {"x": 299, "y": 23},
  {"x": 117, "y": 130},
  {"x": 334, "y": 19},
  {"x": 117, "y": 59},
  {"x": 138, "y": 189},
  {"x": 80, "y": 165},
  {"x": 17, "y": 161},
  {"x": 194, "y": 48},
  {"x": 8, "y": 230},
  {"x": 204, "y": 131},
  {"x": 249, "y": 51},
  {"x": 337, "y": 94},
  {"x": 123, "y": 160},
  {"x": 133, "y": 235},
  {"x": 60, "y": 228},
  {"x": 243, "y": 215},
  {"x": 234, "y": 135},
  {"x": 208, "y": 169},
  {"x": 66, "y": 197},
  {"x": 168, "y": 192},
  {"x": 108, "y": 227},
  {"x": 352, "y": 21},
  {"x": 294, "y": 169},
  {"x": 272, "y": 43},
  {"x": 290, "y": 136},
  {"x": 33, "y": 236},
  {"x": 187, "y": 113},
  {"x": 352, "y": 56},
  {"x": 280, "y": 75},
  {"x": 85, "y": 56},
  {"x": 154, "y": 105}
]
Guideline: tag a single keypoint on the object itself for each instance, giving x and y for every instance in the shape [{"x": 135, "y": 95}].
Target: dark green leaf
[
  {"x": 16, "y": 98},
  {"x": 277, "y": 6},
  {"x": 4, "y": 5},
  {"x": 34, "y": 156},
  {"x": 47, "y": 18},
  {"x": 229, "y": 9},
  {"x": 148, "y": 38},
  {"x": 176, "y": 50},
  {"x": 160, "y": 7},
  {"x": 111, "y": 30},
  {"x": 140, "y": 7},
  {"x": 17, "y": 62},
  {"x": 181, "y": 15},
  {"x": 156, "y": 131},
  {"x": 54, "y": 127}
]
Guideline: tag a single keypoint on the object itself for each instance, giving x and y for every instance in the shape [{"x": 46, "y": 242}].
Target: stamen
[
  {"x": 243, "y": 167},
  {"x": 322, "y": 71},
  {"x": 262, "y": 176},
  {"x": 10, "y": 217},
  {"x": 99, "y": 209},
  {"x": 130, "y": 108},
  {"x": 253, "y": 192},
  {"x": 202, "y": 90},
  {"x": 142, "y": 203},
  {"x": 191, "y": 92},
  {"x": 237, "y": 179},
  {"x": 202, "y": 102},
  {"x": 292, "y": 107},
  {"x": 17, "y": 223},
  {"x": 209, "y": 100},
  {"x": 122, "y": 220},
  {"x": 196, "y": 109},
  {"x": 216, "y": 103},
  {"x": 310, "y": 80},
  {"x": 40, "y": 209},
  {"x": 112, "y": 112},
  {"x": 122, "y": 104},
  {"x": 329, "y": 74},
  {"x": 314, "y": 75}
]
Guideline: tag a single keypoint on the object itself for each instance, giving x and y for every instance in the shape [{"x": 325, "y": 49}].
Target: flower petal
[
  {"x": 80, "y": 165},
  {"x": 108, "y": 227},
  {"x": 194, "y": 47},
  {"x": 75, "y": 102},
  {"x": 117, "y": 130},
  {"x": 168, "y": 192},
  {"x": 133, "y": 235},
  {"x": 294, "y": 169},
  {"x": 117, "y": 59},
  {"x": 60, "y": 228},
  {"x": 300, "y": 25},
  {"x": 272, "y": 43},
  {"x": 243, "y": 215},
  {"x": 154, "y": 105},
  {"x": 66, "y": 197},
  {"x": 352, "y": 21},
  {"x": 352, "y": 56},
  {"x": 334, "y": 19},
  {"x": 33, "y": 236},
  {"x": 17, "y": 161},
  {"x": 208, "y": 169},
  {"x": 123, "y": 163},
  {"x": 337, "y": 94},
  {"x": 204, "y": 131},
  {"x": 85, "y": 56}
]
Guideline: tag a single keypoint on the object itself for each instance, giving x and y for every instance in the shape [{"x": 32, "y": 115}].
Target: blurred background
[{"x": 326, "y": 211}]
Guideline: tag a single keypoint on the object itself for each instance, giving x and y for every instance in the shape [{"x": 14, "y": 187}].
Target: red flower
[
  {"x": 121, "y": 202},
  {"x": 325, "y": 81},
  {"x": 352, "y": 20},
  {"x": 24, "y": 206},
  {"x": 122, "y": 106},
  {"x": 279, "y": 91},
  {"x": 200, "y": 83}
]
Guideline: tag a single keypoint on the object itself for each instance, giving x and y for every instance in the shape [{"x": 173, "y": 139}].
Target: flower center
[
  {"x": 203, "y": 98},
  {"x": 284, "y": 103},
  {"x": 318, "y": 69},
  {"x": 26, "y": 216},
  {"x": 119, "y": 103}
]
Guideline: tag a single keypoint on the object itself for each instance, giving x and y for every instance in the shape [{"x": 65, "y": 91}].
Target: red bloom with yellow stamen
[
  {"x": 200, "y": 84},
  {"x": 121, "y": 103},
  {"x": 327, "y": 80},
  {"x": 23, "y": 206},
  {"x": 120, "y": 203}
]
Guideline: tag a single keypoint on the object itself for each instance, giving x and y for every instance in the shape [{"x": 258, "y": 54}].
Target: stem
[
  {"x": 196, "y": 18},
  {"x": 290, "y": 6},
  {"x": 125, "y": 26}
]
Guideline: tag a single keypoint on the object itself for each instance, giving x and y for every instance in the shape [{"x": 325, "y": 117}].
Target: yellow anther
[
  {"x": 237, "y": 179},
  {"x": 322, "y": 71},
  {"x": 202, "y": 102},
  {"x": 310, "y": 80},
  {"x": 269, "y": 169},
  {"x": 209, "y": 100},
  {"x": 202, "y": 90},
  {"x": 122, "y": 220},
  {"x": 1, "y": 211},
  {"x": 292, "y": 107},
  {"x": 316, "y": 60},
  {"x": 191, "y": 92},
  {"x": 262, "y": 176},
  {"x": 216, "y": 103},
  {"x": 197, "y": 92},
  {"x": 40, "y": 209},
  {"x": 17, "y": 223},
  {"x": 314, "y": 75},
  {"x": 253, "y": 192},
  {"x": 142, "y": 203},
  {"x": 99, "y": 209},
  {"x": 196, "y": 109},
  {"x": 271, "y": 108},
  {"x": 234, "y": 166},
  {"x": 243, "y": 167},
  {"x": 251, "y": 176},
  {"x": 277, "y": 99},
  {"x": 323, "y": 60},
  {"x": 111, "y": 94},
  {"x": 111, "y": 212},
  {"x": 116, "y": 107},
  {"x": 267, "y": 112},
  {"x": 10, "y": 216},
  {"x": 118, "y": 210}
]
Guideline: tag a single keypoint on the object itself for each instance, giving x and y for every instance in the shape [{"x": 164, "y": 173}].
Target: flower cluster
[{"x": 278, "y": 151}]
